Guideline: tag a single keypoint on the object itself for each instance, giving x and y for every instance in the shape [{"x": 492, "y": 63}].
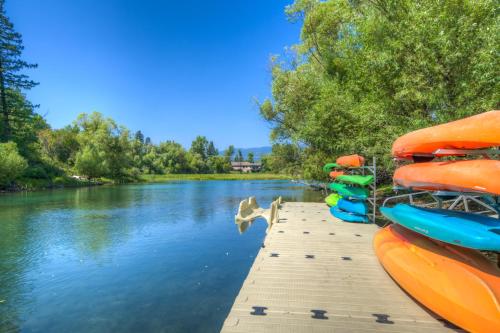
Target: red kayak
[
  {"x": 462, "y": 176},
  {"x": 476, "y": 132}
]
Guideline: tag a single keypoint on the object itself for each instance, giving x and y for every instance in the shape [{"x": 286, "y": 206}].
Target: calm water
[{"x": 137, "y": 258}]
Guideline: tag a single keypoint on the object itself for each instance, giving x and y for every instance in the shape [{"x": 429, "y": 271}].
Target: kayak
[
  {"x": 348, "y": 191},
  {"x": 355, "y": 207},
  {"x": 332, "y": 199},
  {"x": 356, "y": 179},
  {"x": 329, "y": 166},
  {"x": 460, "y": 228},
  {"x": 335, "y": 174},
  {"x": 351, "y": 161},
  {"x": 462, "y": 176},
  {"x": 476, "y": 132},
  {"x": 348, "y": 217},
  {"x": 459, "y": 284}
]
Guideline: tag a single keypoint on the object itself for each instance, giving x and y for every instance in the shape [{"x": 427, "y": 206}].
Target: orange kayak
[
  {"x": 460, "y": 285},
  {"x": 335, "y": 174},
  {"x": 462, "y": 176},
  {"x": 476, "y": 132},
  {"x": 351, "y": 161}
]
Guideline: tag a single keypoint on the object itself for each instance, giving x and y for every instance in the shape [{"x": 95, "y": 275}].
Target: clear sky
[{"x": 173, "y": 69}]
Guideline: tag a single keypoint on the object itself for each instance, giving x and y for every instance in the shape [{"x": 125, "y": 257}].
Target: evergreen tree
[
  {"x": 11, "y": 65},
  {"x": 239, "y": 157},
  {"x": 211, "y": 150},
  {"x": 250, "y": 157},
  {"x": 139, "y": 137},
  {"x": 229, "y": 152}
]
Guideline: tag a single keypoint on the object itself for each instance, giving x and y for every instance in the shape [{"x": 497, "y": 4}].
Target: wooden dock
[{"x": 315, "y": 273}]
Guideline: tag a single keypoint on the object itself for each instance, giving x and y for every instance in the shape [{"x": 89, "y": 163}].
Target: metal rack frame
[{"x": 491, "y": 203}]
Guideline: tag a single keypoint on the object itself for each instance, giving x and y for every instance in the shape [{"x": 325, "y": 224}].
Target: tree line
[{"x": 366, "y": 72}]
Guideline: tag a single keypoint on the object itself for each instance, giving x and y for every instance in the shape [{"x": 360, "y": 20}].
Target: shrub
[{"x": 12, "y": 165}]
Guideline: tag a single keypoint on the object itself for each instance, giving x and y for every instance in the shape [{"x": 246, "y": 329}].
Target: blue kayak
[
  {"x": 348, "y": 217},
  {"x": 460, "y": 228},
  {"x": 356, "y": 207}
]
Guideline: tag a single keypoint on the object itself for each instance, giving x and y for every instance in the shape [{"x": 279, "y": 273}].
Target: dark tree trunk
[{"x": 5, "y": 133}]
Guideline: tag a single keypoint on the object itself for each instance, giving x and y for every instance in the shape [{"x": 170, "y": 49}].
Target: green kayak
[
  {"x": 349, "y": 191},
  {"x": 332, "y": 199},
  {"x": 329, "y": 166},
  {"x": 356, "y": 179}
]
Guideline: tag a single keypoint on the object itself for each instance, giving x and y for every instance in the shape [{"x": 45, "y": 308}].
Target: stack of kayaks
[
  {"x": 435, "y": 254},
  {"x": 348, "y": 202}
]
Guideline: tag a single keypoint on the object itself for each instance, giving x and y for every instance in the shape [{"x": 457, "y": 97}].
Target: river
[{"x": 133, "y": 258}]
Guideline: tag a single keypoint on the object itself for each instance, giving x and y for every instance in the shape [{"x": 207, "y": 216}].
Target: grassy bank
[{"x": 217, "y": 176}]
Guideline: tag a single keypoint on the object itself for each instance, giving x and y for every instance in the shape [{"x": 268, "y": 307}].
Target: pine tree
[
  {"x": 211, "y": 150},
  {"x": 250, "y": 157},
  {"x": 239, "y": 157},
  {"x": 11, "y": 65}
]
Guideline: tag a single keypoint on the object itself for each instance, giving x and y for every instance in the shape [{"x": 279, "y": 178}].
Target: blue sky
[{"x": 173, "y": 69}]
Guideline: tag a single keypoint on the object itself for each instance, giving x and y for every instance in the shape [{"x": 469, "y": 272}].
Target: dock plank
[{"x": 316, "y": 273}]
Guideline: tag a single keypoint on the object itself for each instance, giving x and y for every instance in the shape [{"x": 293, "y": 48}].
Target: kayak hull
[
  {"x": 351, "y": 161},
  {"x": 348, "y": 217},
  {"x": 333, "y": 199},
  {"x": 476, "y": 132},
  {"x": 459, "y": 228},
  {"x": 356, "y": 179},
  {"x": 329, "y": 166},
  {"x": 458, "y": 284},
  {"x": 462, "y": 176},
  {"x": 335, "y": 174},
  {"x": 355, "y": 207},
  {"x": 351, "y": 192}
]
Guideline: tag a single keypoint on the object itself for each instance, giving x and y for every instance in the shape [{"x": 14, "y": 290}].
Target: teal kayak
[
  {"x": 355, "y": 207},
  {"x": 460, "y": 228},
  {"x": 349, "y": 191},
  {"x": 348, "y": 217},
  {"x": 356, "y": 179}
]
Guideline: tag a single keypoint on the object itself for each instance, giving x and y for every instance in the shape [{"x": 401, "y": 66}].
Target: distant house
[{"x": 246, "y": 166}]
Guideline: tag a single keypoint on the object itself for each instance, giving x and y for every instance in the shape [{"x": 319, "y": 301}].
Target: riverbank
[
  {"x": 35, "y": 184},
  {"x": 31, "y": 184},
  {"x": 212, "y": 176}
]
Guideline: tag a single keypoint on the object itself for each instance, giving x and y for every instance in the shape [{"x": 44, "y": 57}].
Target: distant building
[{"x": 246, "y": 166}]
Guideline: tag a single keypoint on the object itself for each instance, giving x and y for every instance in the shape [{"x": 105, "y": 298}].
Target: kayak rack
[
  {"x": 372, "y": 200},
  {"x": 459, "y": 201},
  {"x": 249, "y": 210}
]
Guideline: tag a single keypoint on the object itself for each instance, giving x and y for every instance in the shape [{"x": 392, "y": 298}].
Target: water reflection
[{"x": 149, "y": 258}]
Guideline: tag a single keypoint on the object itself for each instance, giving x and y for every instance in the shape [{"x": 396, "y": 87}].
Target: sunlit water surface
[{"x": 135, "y": 258}]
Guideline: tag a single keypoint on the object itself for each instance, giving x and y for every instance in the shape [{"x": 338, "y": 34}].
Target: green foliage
[
  {"x": 200, "y": 147},
  {"x": 367, "y": 72},
  {"x": 218, "y": 164},
  {"x": 12, "y": 164},
  {"x": 90, "y": 163},
  {"x": 60, "y": 145},
  {"x": 108, "y": 143},
  {"x": 284, "y": 158}
]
